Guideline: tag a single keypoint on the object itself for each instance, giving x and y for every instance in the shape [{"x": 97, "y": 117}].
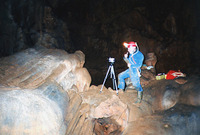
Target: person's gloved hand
[
  {"x": 129, "y": 65},
  {"x": 126, "y": 55}
]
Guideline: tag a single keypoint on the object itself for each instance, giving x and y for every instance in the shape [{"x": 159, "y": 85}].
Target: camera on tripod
[
  {"x": 112, "y": 74},
  {"x": 111, "y": 60}
]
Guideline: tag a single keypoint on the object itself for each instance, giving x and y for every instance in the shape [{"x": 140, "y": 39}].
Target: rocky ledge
[{"x": 47, "y": 92}]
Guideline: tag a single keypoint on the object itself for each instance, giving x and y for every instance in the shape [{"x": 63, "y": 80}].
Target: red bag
[{"x": 172, "y": 74}]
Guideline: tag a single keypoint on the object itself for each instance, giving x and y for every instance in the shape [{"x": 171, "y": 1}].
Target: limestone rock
[
  {"x": 163, "y": 94},
  {"x": 170, "y": 98},
  {"x": 83, "y": 79},
  {"x": 74, "y": 105},
  {"x": 39, "y": 111},
  {"x": 146, "y": 77},
  {"x": 114, "y": 108},
  {"x": 32, "y": 67},
  {"x": 51, "y": 88},
  {"x": 77, "y": 60},
  {"x": 87, "y": 127},
  {"x": 38, "y": 92},
  {"x": 151, "y": 60},
  {"x": 146, "y": 126},
  {"x": 81, "y": 56},
  {"x": 190, "y": 94}
]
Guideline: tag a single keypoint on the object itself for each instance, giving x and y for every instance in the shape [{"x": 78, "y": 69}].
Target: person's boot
[{"x": 139, "y": 96}]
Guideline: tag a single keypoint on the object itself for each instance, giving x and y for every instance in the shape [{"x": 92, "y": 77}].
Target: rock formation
[
  {"x": 34, "y": 90},
  {"x": 47, "y": 92}
]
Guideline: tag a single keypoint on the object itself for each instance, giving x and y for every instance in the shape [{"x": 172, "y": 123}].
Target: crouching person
[{"x": 134, "y": 62}]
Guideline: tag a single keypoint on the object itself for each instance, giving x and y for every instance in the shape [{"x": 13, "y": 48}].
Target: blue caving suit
[{"x": 136, "y": 61}]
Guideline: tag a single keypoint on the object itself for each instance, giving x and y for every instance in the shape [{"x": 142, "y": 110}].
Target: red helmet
[{"x": 132, "y": 44}]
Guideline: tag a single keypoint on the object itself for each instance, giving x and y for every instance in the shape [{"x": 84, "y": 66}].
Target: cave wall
[
  {"x": 25, "y": 24},
  {"x": 168, "y": 28}
]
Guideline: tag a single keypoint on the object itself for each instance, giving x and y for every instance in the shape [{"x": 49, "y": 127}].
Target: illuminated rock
[{"x": 35, "y": 91}]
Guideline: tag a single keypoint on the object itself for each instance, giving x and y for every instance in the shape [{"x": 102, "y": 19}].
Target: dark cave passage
[{"x": 40, "y": 63}]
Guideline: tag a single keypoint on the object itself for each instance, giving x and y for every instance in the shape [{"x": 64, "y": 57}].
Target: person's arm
[
  {"x": 137, "y": 61},
  {"x": 126, "y": 60}
]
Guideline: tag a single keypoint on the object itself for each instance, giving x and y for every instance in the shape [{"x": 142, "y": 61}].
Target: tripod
[{"x": 112, "y": 75}]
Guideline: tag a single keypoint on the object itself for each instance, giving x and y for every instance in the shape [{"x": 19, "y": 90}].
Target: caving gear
[
  {"x": 130, "y": 44},
  {"x": 172, "y": 74}
]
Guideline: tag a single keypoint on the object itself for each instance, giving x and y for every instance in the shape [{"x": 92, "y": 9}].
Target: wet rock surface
[{"x": 48, "y": 91}]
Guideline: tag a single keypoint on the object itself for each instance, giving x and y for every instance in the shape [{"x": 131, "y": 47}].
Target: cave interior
[{"x": 170, "y": 29}]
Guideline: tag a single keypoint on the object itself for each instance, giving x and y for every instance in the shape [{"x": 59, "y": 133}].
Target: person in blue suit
[{"x": 134, "y": 62}]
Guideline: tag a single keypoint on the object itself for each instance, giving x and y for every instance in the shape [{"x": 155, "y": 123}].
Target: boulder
[
  {"x": 190, "y": 94},
  {"x": 38, "y": 111},
  {"x": 38, "y": 92},
  {"x": 163, "y": 94}
]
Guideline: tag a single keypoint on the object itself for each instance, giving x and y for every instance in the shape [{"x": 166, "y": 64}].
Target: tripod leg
[
  {"x": 116, "y": 87},
  {"x": 105, "y": 78},
  {"x": 113, "y": 77},
  {"x": 114, "y": 80}
]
